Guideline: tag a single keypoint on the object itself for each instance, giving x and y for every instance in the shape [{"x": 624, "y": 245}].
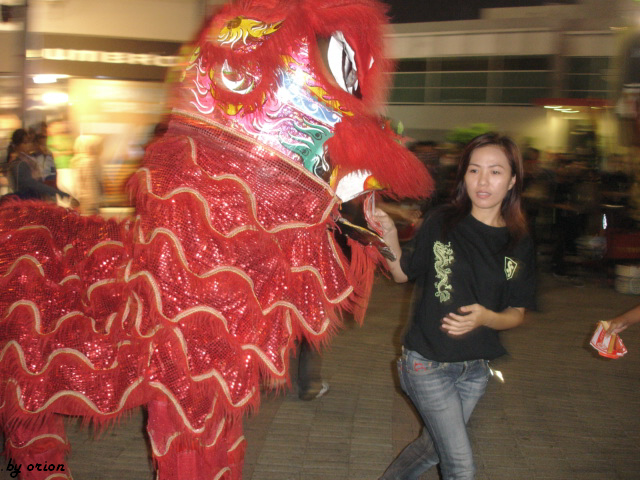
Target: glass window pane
[
  {"x": 411, "y": 65},
  {"x": 527, "y": 63},
  {"x": 434, "y": 79},
  {"x": 599, "y": 83},
  {"x": 587, "y": 64},
  {"x": 409, "y": 80},
  {"x": 464, "y": 64},
  {"x": 526, "y": 79},
  {"x": 522, "y": 96},
  {"x": 464, "y": 79},
  {"x": 407, "y": 95},
  {"x": 463, "y": 95},
  {"x": 578, "y": 82}
]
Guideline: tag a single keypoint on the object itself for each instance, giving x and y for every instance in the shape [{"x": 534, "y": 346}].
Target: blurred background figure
[
  {"x": 86, "y": 168},
  {"x": 60, "y": 143},
  {"x": 24, "y": 175},
  {"x": 44, "y": 158},
  {"x": 536, "y": 187}
]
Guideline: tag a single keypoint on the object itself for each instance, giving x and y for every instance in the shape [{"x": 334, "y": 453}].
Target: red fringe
[{"x": 396, "y": 168}]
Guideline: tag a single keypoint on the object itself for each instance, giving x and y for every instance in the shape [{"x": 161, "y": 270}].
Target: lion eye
[{"x": 342, "y": 63}]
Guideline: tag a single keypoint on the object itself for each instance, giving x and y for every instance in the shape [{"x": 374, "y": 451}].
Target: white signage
[{"x": 104, "y": 57}]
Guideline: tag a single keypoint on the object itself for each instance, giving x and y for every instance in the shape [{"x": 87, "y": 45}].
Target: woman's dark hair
[
  {"x": 18, "y": 137},
  {"x": 511, "y": 209}
]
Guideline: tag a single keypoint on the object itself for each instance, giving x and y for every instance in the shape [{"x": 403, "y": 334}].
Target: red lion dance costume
[{"x": 232, "y": 256}]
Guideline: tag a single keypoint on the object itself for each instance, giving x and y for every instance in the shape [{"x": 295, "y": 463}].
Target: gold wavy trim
[
  {"x": 29, "y": 258},
  {"x": 80, "y": 396},
  {"x": 237, "y": 443},
  {"x": 54, "y": 354},
  {"x": 138, "y": 320},
  {"x": 38, "y": 320},
  {"x": 199, "y": 196},
  {"x": 288, "y": 305},
  {"x": 220, "y": 473},
  {"x": 184, "y": 261},
  {"x": 68, "y": 278},
  {"x": 254, "y": 213},
  {"x": 104, "y": 244},
  {"x": 167, "y": 446},
  {"x": 98, "y": 284},
  {"x": 176, "y": 404},
  {"x": 39, "y": 437},
  {"x": 157, "y": 453},
  {"x": 332, "y": 244}
]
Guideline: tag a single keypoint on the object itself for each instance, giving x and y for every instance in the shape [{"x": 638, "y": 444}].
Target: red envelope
[{"x": 607, "y": 345}]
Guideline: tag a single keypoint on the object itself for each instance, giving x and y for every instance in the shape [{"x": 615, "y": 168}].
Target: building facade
[{"x": 506, "y": 67}]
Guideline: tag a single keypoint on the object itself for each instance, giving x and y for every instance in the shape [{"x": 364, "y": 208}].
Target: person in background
[
  {"x": 474, "y": 264},
  {"x": 310, "y": 383},
  {"x": 44, "y": 158},
  {"x": 25, "y": 177},
  {"x": 570, "y": 216}
]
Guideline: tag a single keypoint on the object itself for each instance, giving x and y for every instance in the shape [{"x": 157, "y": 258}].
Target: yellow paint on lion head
[{"x": 245, "y": 29}]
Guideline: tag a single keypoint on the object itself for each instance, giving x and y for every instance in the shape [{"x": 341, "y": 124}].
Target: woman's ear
[{"x": 512, "y": 182}]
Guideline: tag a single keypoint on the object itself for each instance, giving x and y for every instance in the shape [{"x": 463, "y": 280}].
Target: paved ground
[{"x": 563, "y": 413}]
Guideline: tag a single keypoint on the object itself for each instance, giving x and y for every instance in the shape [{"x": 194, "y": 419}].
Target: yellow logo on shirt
[{"x": 510, "y": 266}]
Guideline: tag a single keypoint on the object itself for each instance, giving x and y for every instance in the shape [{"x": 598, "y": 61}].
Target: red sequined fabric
[{"x": 185, "y": 308}]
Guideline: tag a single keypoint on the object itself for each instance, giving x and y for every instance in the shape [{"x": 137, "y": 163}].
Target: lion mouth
[{"x": 354, "y": 184}]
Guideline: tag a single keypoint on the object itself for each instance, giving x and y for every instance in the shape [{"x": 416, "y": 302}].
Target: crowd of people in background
[
  {"x": 566, "y": 197},
  {"x": 29, "y": 167},
  {"x": 44, "y": 162}
]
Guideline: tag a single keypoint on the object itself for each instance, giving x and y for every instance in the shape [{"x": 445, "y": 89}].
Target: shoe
[{"x": 313, "y": 394}]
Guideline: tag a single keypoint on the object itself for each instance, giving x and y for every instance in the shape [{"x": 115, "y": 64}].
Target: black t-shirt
[{"x": 470, "y": 266}]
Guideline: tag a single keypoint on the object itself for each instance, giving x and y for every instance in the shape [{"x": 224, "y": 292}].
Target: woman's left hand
[{"x": 466, "y": 319}]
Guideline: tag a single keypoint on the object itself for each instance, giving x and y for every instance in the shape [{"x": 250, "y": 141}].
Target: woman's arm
[
  {"x": 473, "y": 316},
  {"x": 390, "y": 236}
]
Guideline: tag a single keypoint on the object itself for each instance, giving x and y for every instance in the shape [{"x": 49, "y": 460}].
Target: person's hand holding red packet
[{"x": 607, "y": 344}]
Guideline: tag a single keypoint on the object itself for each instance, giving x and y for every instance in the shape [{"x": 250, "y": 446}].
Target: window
[
  {"x": 586, "y": 77},
  {"x": 472, "y": 80}
]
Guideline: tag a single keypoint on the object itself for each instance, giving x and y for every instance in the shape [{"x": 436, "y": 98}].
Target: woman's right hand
[
  {"x": 390, "y": 236},
  {"x": 384, "y": 221}
]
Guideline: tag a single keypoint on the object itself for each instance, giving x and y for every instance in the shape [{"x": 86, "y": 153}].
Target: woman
[
  {"x": 474, "y": 267},
  {"x": 25, "y": 177}
]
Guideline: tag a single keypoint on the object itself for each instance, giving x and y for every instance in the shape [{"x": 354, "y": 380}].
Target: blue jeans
[{"x": 444, "y": 394}]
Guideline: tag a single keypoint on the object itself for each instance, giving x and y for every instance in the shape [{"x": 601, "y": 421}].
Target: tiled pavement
[{"x": 562, "y": 413}]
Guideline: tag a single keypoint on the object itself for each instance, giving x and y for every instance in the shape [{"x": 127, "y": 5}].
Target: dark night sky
[{"x": 405, "y": 11}]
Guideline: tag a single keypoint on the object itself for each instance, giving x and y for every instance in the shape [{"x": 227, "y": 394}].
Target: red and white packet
[{"x": 607, "y": 345}]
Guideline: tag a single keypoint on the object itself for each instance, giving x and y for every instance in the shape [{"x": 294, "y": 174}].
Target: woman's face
[
  {"x": 488, "y": 179},
  {"x": 25, "y": 146}
]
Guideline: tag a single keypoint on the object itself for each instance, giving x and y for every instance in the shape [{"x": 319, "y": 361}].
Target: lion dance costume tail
[{"x": 232, "y": 255}]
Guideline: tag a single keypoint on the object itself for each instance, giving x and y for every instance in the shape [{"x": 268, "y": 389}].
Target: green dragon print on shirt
[{"x": 444, "y": 258}]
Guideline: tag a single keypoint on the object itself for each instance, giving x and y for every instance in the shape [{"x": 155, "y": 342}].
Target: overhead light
[
  {"x": 47, "y": 78},
  {"x": 55, "y": 98},
  {"x": 553, "y": 106}
]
